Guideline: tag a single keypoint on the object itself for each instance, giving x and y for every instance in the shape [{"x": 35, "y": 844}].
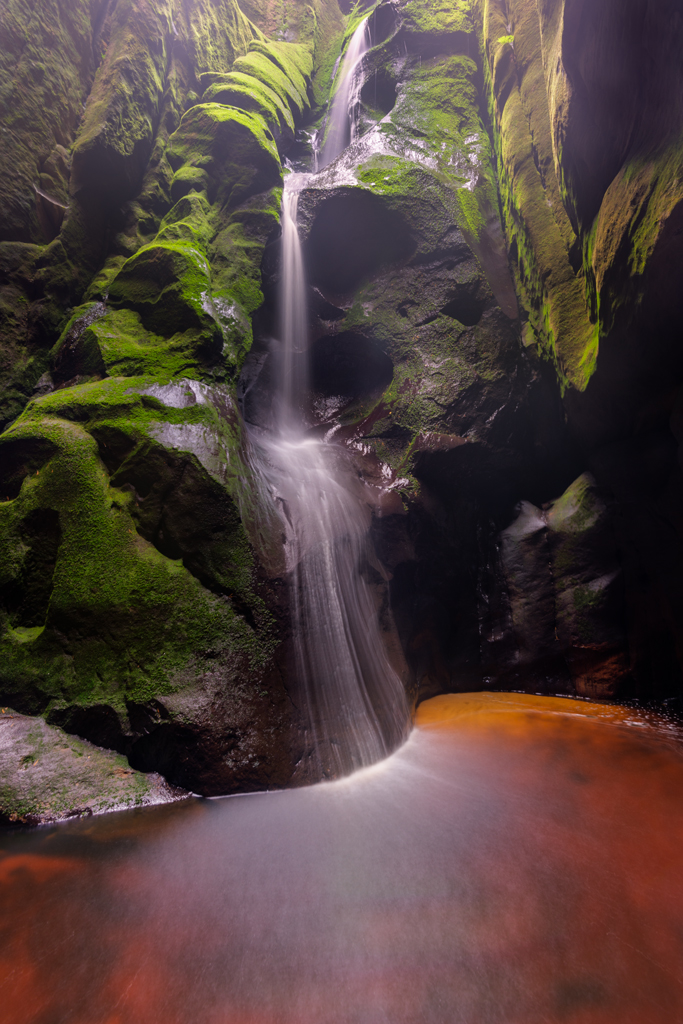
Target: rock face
[
  {"x": 586, "y": 111},
  {"x": 48, "y": 775},
  {"x": 492, "y": 269},
  {"x": 134, "y": 610},
  {"x": 559, "y": 614}
]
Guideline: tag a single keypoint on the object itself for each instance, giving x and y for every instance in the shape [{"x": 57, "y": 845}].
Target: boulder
[
  {"x": 140, "y": 583},
  {"x": 234, "y": 147},
  {"x": 48, "y": 775}
]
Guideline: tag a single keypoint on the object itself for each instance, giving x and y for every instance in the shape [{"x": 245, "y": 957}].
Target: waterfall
[
  {"x": 350, "y": 697},
  {"x": 293, "y": 320},
  {"x": 342, "y": 119}
]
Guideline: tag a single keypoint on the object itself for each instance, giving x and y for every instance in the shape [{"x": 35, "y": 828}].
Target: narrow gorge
[{"x": 341, "y": 403}]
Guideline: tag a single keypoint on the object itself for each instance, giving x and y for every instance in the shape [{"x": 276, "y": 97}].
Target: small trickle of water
[{"x": 342, "y": 121}]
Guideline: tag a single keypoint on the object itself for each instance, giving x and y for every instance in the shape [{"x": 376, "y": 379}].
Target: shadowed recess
[
  {"x": 350, "y": 365},
  {"x": 19, "y": 458},
  {"x": 379, "y": 92},
  {"x": 26, "y": 598},
  {"x": 367, "y": 237}
]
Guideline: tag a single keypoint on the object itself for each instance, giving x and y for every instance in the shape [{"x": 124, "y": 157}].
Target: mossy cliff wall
[
  {"x": 586, "y": 113},
  {"x": 587, "y": 122},
  {"x": 142, "y": 143}
]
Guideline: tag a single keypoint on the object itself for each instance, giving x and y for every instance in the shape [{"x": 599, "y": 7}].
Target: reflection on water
[{"x": 510, "y": 863}]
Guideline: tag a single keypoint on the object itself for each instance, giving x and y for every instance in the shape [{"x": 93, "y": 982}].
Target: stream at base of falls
[{"x": 517, "y": 861}]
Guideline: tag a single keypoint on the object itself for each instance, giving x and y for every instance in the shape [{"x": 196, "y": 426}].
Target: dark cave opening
[{"x": 349, "y": 365}]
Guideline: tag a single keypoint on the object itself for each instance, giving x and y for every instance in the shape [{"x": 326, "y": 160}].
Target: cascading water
[
  {"x": 351, "y": 698},
  {"x": 293, "y": 319},
  {"x": 342, "y": 119}
]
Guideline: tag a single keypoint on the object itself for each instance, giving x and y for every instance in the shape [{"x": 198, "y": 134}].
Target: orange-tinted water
[{"x": 518, "y": 861}]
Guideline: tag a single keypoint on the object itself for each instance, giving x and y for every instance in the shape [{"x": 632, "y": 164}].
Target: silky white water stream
[
  {"x": 350, "y": 697},
  {"x": 342, "y": 121}
]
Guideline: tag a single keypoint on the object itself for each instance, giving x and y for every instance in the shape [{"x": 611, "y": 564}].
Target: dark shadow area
[
  {"x": 465, "y": 308},
  {"x": 350, "y": 365},
  {"x": 179, "y": 509},
  {"x": 622, "y": 58},
  {"x": 97, "y": 723},
  {"x": 19, "y": 458},
  {"x": 367, "y": 236},
  {"x": 325, "y": 310},
  {"x": 384, "y": 21},
  {"x": 379, "y": 92},
  {"x": 27, "y": 597}
]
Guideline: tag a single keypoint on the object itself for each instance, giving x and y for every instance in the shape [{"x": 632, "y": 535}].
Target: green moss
[
  {"x": 440, "y": 101},
  {"x": 578, "y": 509},
  {"x": 48, "y": 775},
  {"x": 168, "y": 284},
  {"x": 295, "y": 60},
  {"x": 626, "y": 231},
  {"x": 218, "y": 33},
  {"x": 189, "y": 179},
  {"x": 190, "y": 217},
  {"x": 127, "y": 349},
  {"x": 261, "y": 67},
  {"x": 46, "y": 70},
  {"x": 234, "y": 147},
  {"x": 237, "y": 250},
  {"x": 438, "y": 17},
  {"x": 99, "y": 286},
  {"x": 118, "y": 591},
  {"x": 247, "y": 93},
  {"x": 561, "y": 312},
  {"x": 117, "y": 131},
  {"x": 122, "y": 617}
]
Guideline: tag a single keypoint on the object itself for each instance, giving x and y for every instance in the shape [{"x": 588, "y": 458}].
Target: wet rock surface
[{"x": 48, "y": 775}]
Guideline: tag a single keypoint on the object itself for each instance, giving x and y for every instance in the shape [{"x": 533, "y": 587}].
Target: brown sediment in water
[{"x": 518, "y": 861}]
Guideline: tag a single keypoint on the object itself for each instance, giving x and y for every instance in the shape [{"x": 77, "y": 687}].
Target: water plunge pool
[{"x": 517, "y": 861}]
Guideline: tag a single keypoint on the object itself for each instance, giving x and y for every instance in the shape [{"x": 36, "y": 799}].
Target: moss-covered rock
[
  {"x": 234, "y": 147},
  {"x": 418, "y": 263},
  {"x": 121, "y": 523},
  {"x": 217, "y": 33},
  {"x": 48, "y": 775},
  {"x": 236, "y": 253},
  {"x": 117, "y": 134},
  {"x": 443, "y": 24},
  {"x": 48, "y": 60},
  {"x": 563, "y": 618},
  {"x": 247, "y": 93},
  {"x": 114, "y": 585},
  {"x": 169, "y": 284},
  {"x": 262, "y": 65},
  {"x": 562, "y": 322},
  {"x": 587, "y": 185}
]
